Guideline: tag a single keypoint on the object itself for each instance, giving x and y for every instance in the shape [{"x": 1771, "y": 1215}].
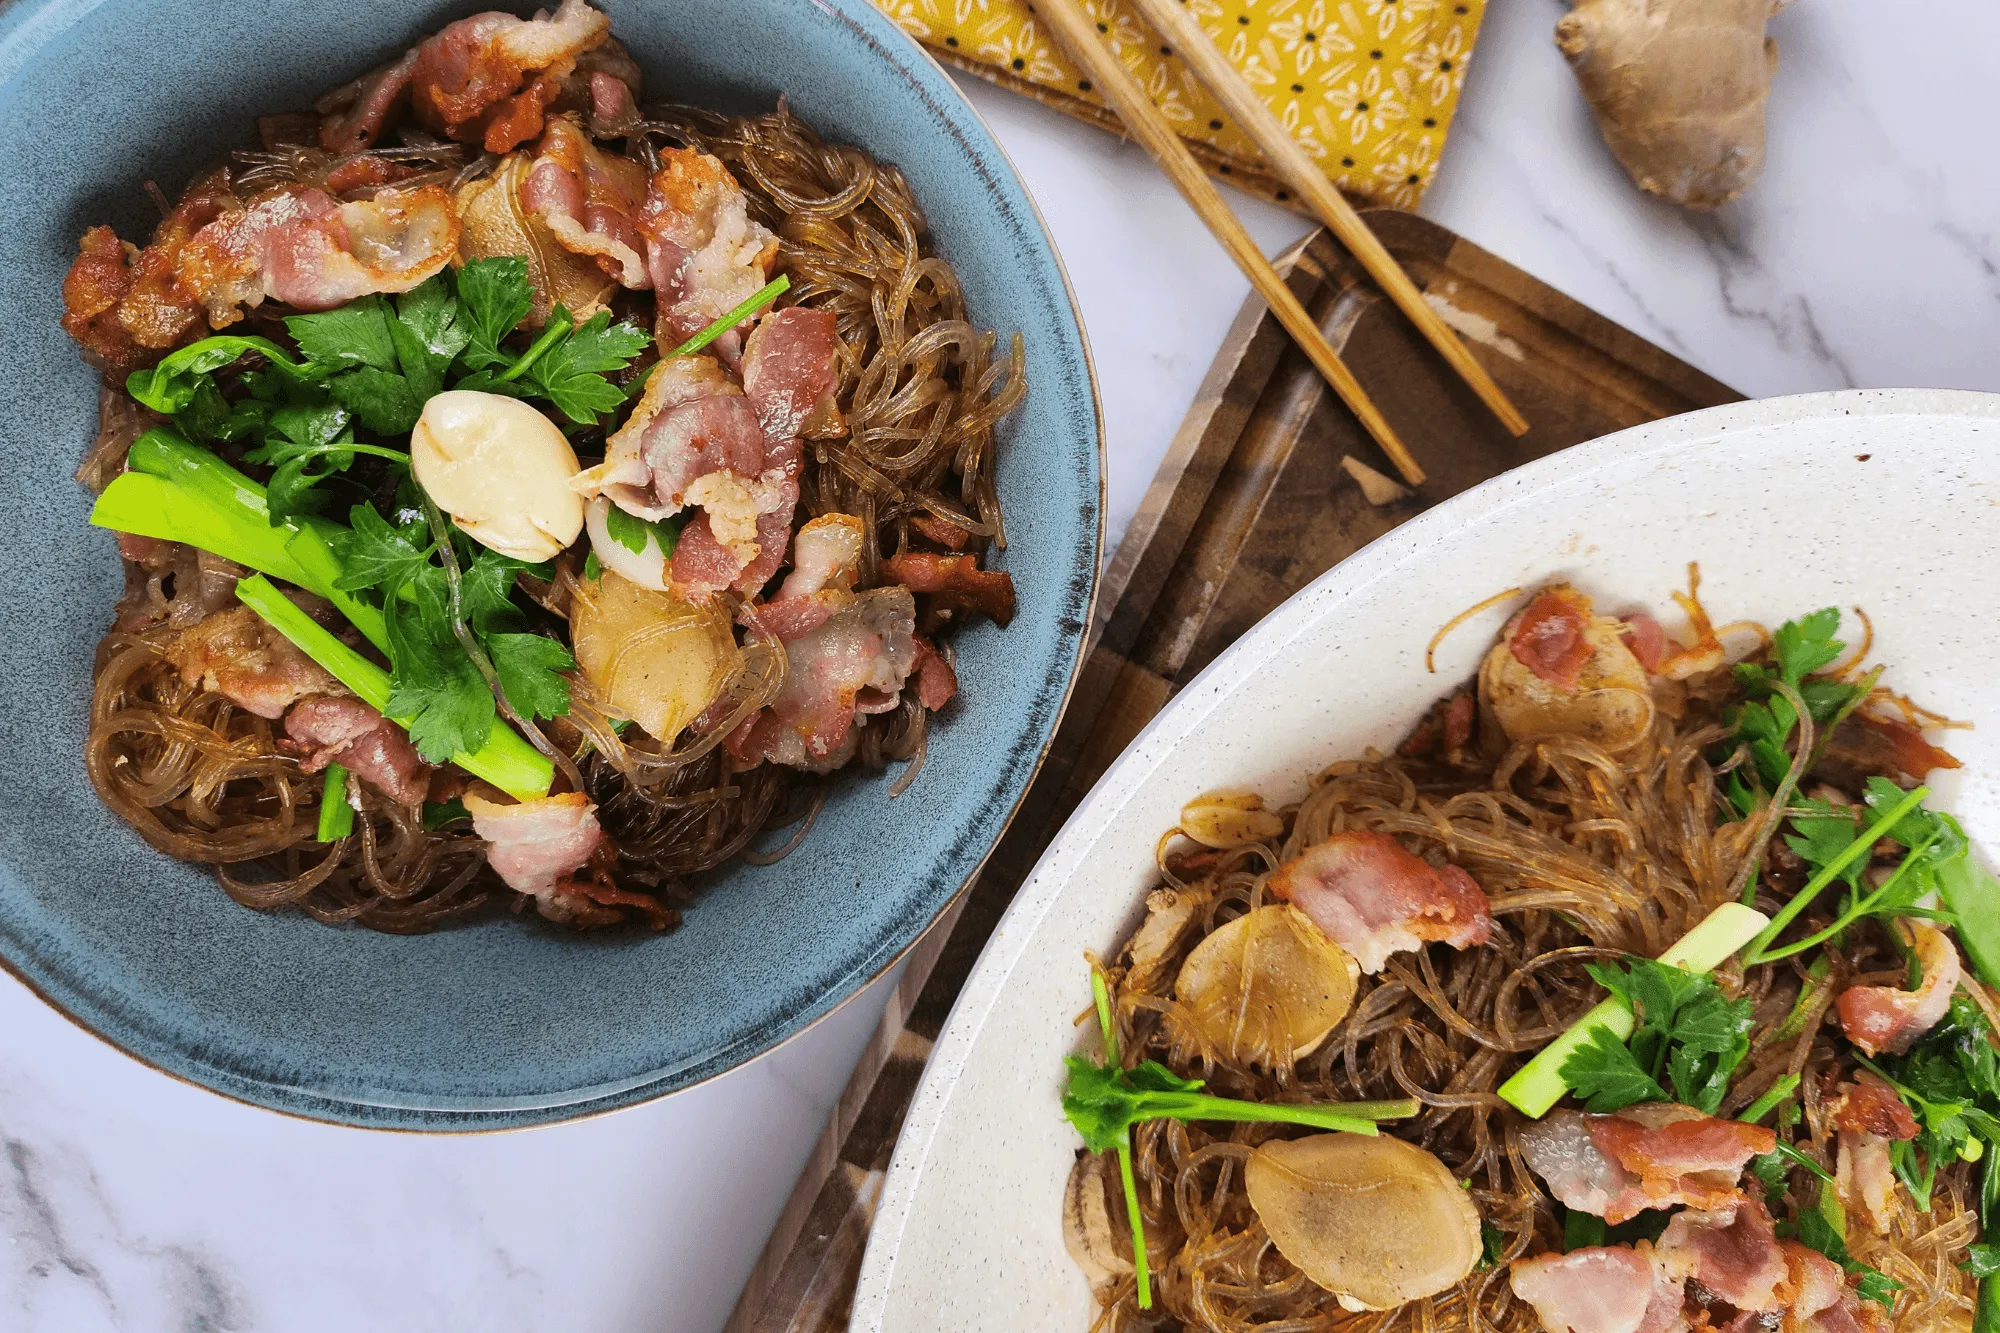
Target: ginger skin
[{"x": 1679, "y": 88}]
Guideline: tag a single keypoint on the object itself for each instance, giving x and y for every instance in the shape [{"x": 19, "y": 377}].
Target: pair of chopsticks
[{"x": 1077, "y": 34}]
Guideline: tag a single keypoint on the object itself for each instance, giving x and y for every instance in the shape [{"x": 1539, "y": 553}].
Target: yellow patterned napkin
[{"x": 1368, "y": 86}]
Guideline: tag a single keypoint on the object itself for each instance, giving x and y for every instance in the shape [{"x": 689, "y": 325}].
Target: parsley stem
[
  {"x": 764, "y": 295},
  {"x": 557, "y": 330},
  {"x": 1769, "y": 1102},
  {"x": 1828, "y": 873},
  {"x": 1785, "y": 1149},
  {"x": 1140, "y": 1267},
  {"x": 336, "y": 816},
  {"x": 1853, "y": 914}
]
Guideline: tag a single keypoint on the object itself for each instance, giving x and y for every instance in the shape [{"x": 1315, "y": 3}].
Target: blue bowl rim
[{"x": 20, "y": 39}]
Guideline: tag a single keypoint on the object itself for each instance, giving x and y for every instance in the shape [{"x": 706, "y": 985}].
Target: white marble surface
[{"x": 1866, "y": 256}]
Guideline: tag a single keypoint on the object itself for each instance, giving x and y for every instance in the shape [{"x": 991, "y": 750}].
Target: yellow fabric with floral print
[{"x": 1367, "y": 86}]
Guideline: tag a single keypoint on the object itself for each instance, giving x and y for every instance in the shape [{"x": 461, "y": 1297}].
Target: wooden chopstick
[
  {"x": 1078, "y": 35},
  {"x": 1230, "y": 88}
]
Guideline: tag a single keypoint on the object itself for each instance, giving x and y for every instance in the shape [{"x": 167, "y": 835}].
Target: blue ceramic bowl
[{"x": 502, "y": 1023}]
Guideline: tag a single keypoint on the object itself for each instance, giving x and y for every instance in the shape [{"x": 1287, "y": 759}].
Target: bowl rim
[
  {"x": 1057, "y": 871},
  {"x": 28, "y": 26}
]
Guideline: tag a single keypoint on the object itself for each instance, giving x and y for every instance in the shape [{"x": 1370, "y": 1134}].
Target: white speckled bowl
[{"x": 1889, "y": 500}]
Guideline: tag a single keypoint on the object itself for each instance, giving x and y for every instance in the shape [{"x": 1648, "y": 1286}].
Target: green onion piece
[
  {"x": 150, "y": 506},
  {"x": 310, "y": 549},
  {"x": 1769, "y": 1102},
  {"x": 1538, "y": 1085},
  {"x": 336, "y": 816},
  {"x": 1101, "y": 995},
  {"x": 506, "y": 760},
  {"x": 1830, "y": 871}
]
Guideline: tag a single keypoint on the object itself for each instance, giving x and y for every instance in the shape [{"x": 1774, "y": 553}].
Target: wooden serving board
[{"x": 1251, "y": 504}]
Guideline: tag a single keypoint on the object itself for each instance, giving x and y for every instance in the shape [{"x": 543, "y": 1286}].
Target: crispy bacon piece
[
  {"x": 1374, "y": 897},
  {"x": 825, "y": 555},
  {"x": 1731, "y": 1250},
  {"x": 1869, "y": 745},
  {"x": 1883, "y": 1018},
  {"x": 948, "y": 535},
  {"x": 302, "y": 247},
  {"x": 589, "y": 199},
  {"x": 1600, "y": 1289},
  {"x": 340, "y": 729},
  {"x": 954, "y": 582},
  {"x": 1547, "y": 637},
  {"x": 356, "y": 114},
  {"x": 937, "y": 683},
  {"x": 844, "y": 664},
  {"x": 1813, "y": 1284},
  {"x": 613, "y": 105},
  {"x": 707, "y": 255},
  {"x": 126, "y": 306},
  {"x": 1646, "y": 639},
  {"x": 1865, "y": 1176},
  {"x": 745, "y": 555},
  {"x": 1443, "y": 731},
  {"x": 472, "y": 80},
  {"x": 237, "y": 655},
  {"x": 790, "y": 369},
  {"x": 1870, "y": 1106},
  {"x": 537, "y": 846},
  {"x": 1655, "y": 1156},
  {"x": 98, "y": 280}
]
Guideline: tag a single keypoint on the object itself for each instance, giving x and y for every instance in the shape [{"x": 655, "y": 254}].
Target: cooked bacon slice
[
  {"x": 706, "y": 253},
  {"x": 1646, "y": 639},
  {"x": 1547, "y": 636},
  {"x": 537, "y": 846},
  {"x": 237, "y": 655},
  {"x": 850, "y": 663},
  {"x": 1731, "y": 1250},
  {"x": 954, "y": 582},
  {"x": 126, "y": 306},
  {"x": 1374, "y": 897},
  {"x": 588, "y": 199},
  {"x": 790, "y": 369},
  {"x": 302, "y": 247},
  {"x": 340, "y": 729},
  {"x": 948, "y": 535},
  {"x": 1813, "y": 1283},
  {"x": 826, "y": 555},
  {"x": 1865, "y": 1176},
  {"x": 613, "y": 105},
  {"x": 937, "y": 683},
  {"x": 1656, "y": 1156},
  {"x": 98, "y": 280},
  {"x": 1883, "y": 1018},
  {"x": 472, "y": 80},
  {"x": 691, "y": 420},
  {"x": 356, "y": 114},
  {"x": 1869, "y": 745},
  {"x": 1870, "y": 1106},
  {"x": 1600, "y": 1289}
]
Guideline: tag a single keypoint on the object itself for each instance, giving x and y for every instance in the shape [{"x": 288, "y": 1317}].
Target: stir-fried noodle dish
[
  {"x": 1644, "y": 988},
  {"x": 526, "y": 491}
]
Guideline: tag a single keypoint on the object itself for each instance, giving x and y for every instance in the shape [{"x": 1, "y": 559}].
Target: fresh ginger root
[{"x": 1679, "y": 88}]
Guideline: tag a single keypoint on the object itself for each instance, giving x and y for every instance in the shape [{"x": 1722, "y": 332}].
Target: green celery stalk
[
  {"x": 309, "y": 548},
  {"x": 1538, "y": 1085},
  {"x": 150, "y": 506},
  {"x": 1770, "y": 1101},
  {"x": 506, "y": 760},
  {"x": 336, "y": 816},
  {"x": 1831, "y": 871}
]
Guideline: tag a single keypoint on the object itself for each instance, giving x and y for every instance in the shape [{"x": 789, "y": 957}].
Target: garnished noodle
[
  {"x": 1585, "y": 856},
  {"x": 921, "y": 389}
]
